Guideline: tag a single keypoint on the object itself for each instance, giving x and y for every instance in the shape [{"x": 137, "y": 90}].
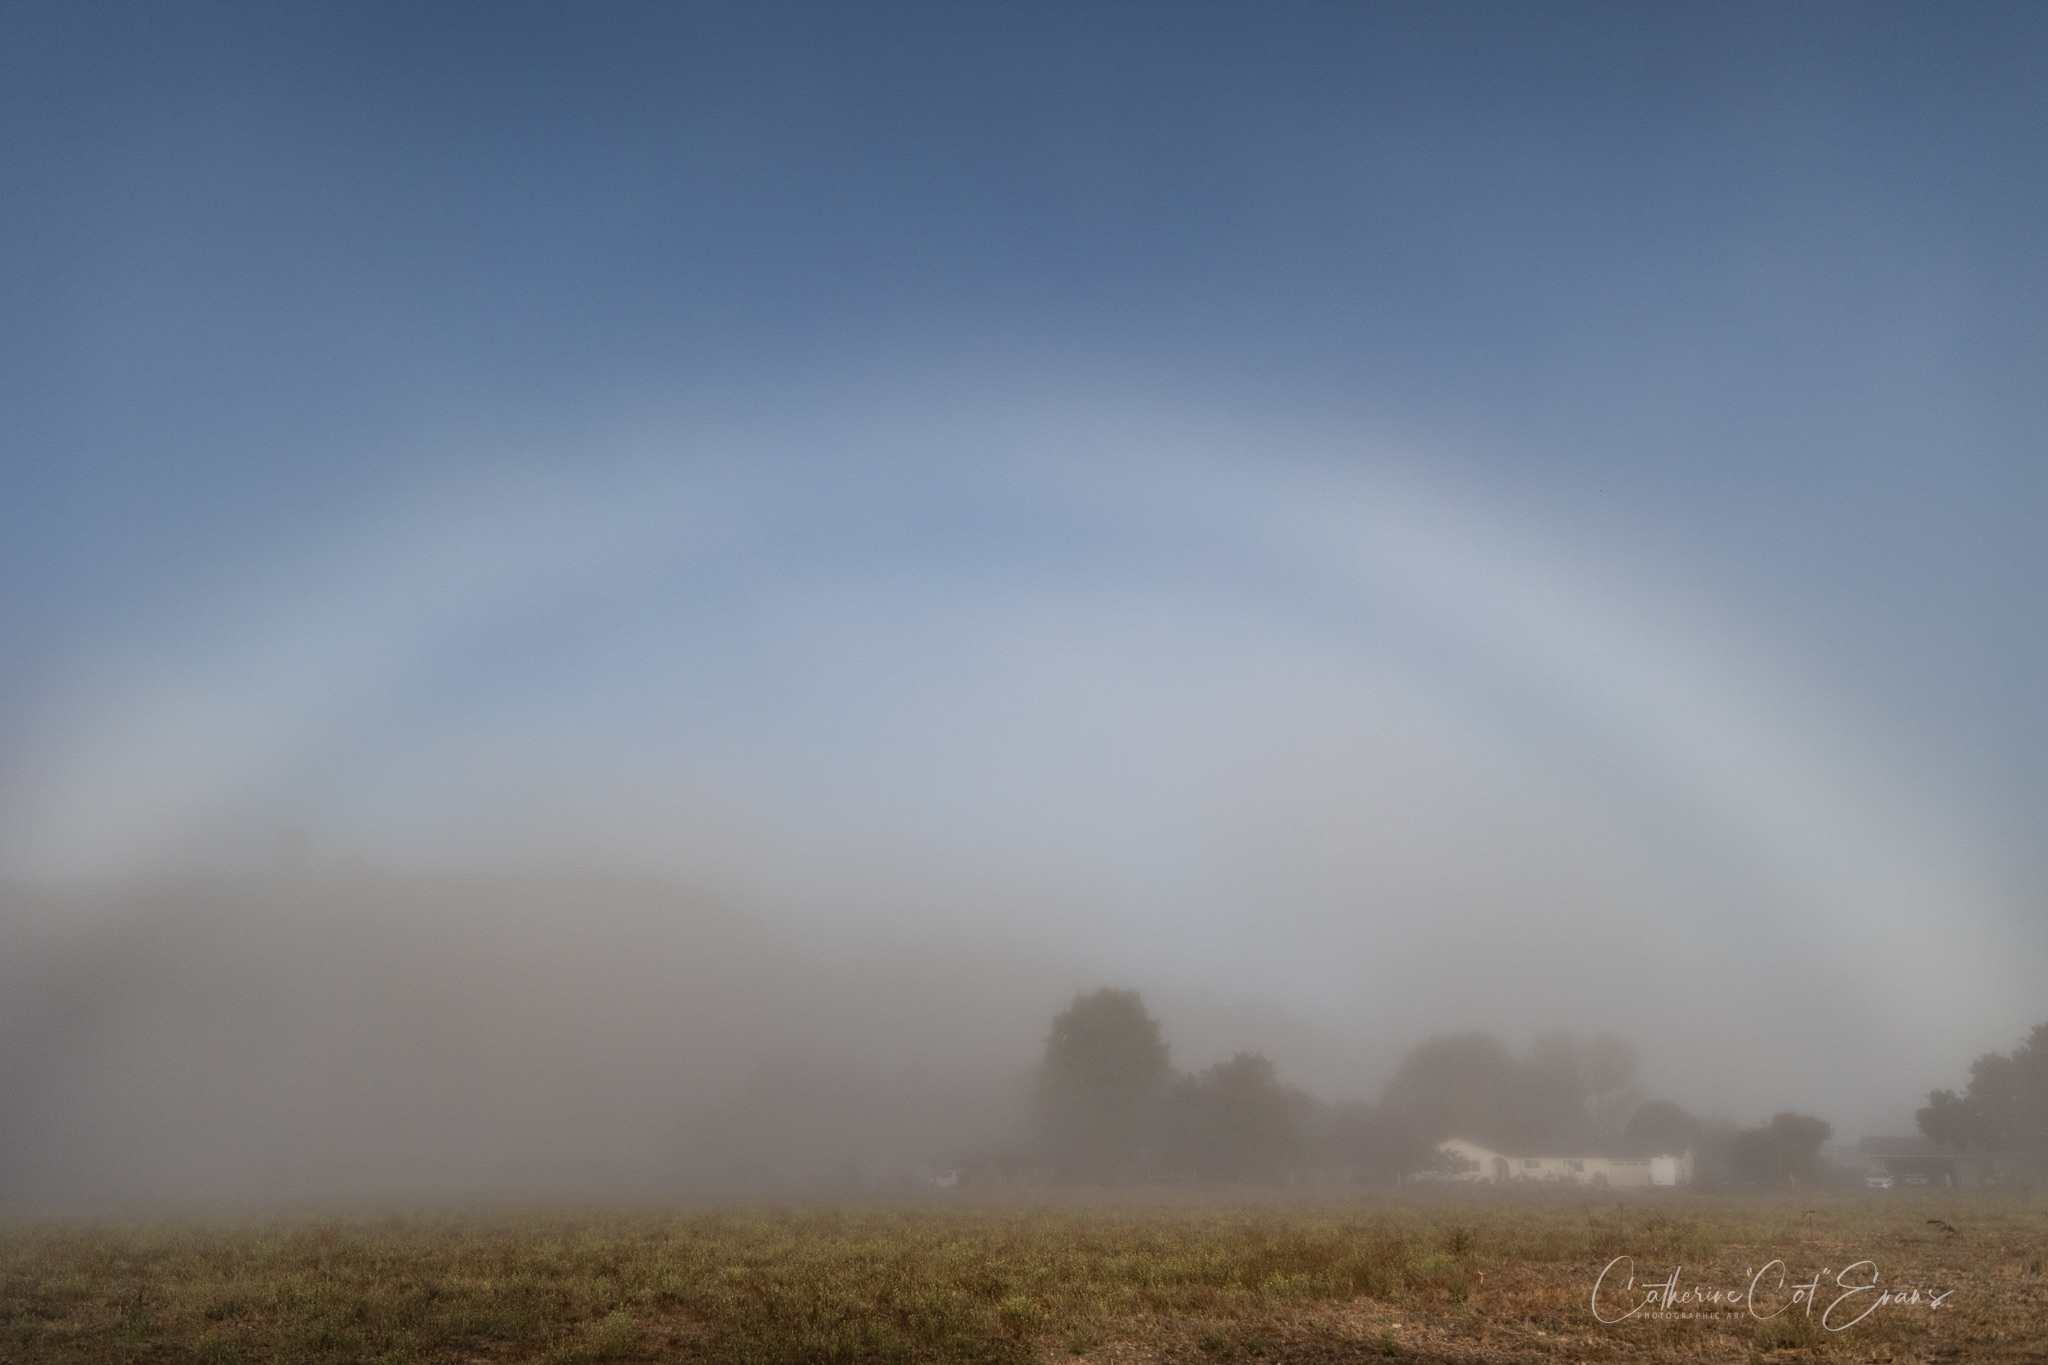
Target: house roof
[{"x": 1606, "y": 1151}]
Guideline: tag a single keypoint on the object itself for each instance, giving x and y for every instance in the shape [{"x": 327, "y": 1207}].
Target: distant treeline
[
  {"x": 2002, "y": 1114},
  {"x": 1108, "y": 1105}
]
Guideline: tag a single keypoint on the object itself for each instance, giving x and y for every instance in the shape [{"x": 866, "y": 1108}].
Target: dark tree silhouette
[
  {"x": 1955, "y": 1121},
  {"x": 1236, "y": 1121},
  {"x": 1785, "y": 1151},
  {"x": 1565, "y": 1092},
  {"x": 1577, "y": 1090},
  {"x": 1458, "y": 1085},
  {"x": 1099, "y": 1088},
  {"x": 2004, "y": 1109},
  {"x": 1375, "y": 1142},
  {"x": 1664, "y": 1125}
]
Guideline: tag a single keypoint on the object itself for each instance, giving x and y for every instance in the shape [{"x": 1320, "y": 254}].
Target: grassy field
[{"x": 1453, "y": 1278}]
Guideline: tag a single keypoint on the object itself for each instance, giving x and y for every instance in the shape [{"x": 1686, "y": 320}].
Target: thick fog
[
  {"x": 585, "y": 623},
  {"x": 704, "y": 830}
]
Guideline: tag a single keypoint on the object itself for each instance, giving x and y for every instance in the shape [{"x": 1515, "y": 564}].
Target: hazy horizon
[{"x": 1359, "y": 523}]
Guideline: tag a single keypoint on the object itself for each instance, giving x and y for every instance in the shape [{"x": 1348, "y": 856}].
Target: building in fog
[
  {"x": 1468, "y": 1162},
  {"x": 1916, "y": 1160}
]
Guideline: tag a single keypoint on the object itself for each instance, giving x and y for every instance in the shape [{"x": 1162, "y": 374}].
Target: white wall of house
[{"x": 1470, "y": 1163}]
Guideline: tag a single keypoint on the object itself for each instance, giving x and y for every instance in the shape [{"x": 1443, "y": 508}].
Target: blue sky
[{"x": 1455, "y": 465}]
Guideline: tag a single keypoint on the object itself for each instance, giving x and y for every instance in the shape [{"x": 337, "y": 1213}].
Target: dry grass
[{"x": 1469, "y": 1279}]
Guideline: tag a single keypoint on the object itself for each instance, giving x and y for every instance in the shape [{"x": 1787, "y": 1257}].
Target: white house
[{"x": 1468, "y": 1162}]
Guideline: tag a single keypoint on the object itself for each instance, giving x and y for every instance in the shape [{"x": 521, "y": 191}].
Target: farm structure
[
  {"x": 1916, "y": 1160},
  {"x": 1459, "y": 1159}
]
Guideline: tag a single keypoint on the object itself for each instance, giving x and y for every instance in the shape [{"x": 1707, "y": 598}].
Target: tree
[
  {"x": 1565, "y": 1092},
  {"x": 2003, "y": 1111},
  {"x": 1235, "y": 1121},
  {"x": 1784, "y": 1151},
  {"x": 1375, "y": 1141},
  {"x": 1577, "y": 1091},
  {"x": 1664, "y": 1125},
  {"x": 1954, "y": 1121},
  {"x": 1457, "y": 1085},
  {"x": 1098, "y": 1090}
]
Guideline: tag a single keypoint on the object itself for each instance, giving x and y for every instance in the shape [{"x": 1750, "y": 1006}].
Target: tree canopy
[
  {"x": 1098, "y": 1090},
  {"x": 1565, "y": 1091},
  {"x": 1663, "y": 1124},
  {"x": 1235, "y": 1121},
  {"x": 1784, "y": 1151},
  {"x": 2004, "y": 1109}
]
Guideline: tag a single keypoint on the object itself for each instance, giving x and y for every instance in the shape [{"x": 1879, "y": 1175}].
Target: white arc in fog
[{"x": 821, "y": 554}]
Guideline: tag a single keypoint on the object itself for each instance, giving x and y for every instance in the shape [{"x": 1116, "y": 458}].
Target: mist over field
[{"x": 628, "y": 605}]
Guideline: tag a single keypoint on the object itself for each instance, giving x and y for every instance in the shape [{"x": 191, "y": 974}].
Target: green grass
[{"x": 975, "y": 1284}]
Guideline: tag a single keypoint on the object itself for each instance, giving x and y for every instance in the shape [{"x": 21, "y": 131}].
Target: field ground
[{"x": 1454, "y": 1278}]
